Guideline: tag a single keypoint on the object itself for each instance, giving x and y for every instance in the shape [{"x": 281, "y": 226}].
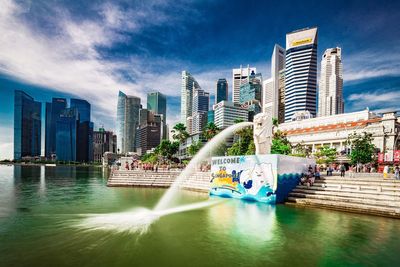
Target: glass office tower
[
  {"x": 221, "y": 92},
  {"x": 27, "y": 125},
  {"x": 157, "y": 103},
  {"x": 53, "y": 112},
  {"x": 84, "y": 152},
  {"x": 66, "y": 135},
  {"x": 127, "y": 122}
]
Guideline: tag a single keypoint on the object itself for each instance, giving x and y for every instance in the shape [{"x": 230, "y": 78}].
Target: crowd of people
[{"x": 310, "y": 176}]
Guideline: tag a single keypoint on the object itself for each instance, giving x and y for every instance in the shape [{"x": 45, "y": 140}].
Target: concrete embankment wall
[
  {"x": 199, "y": 181},
  {"x": 370, "y": 195}
]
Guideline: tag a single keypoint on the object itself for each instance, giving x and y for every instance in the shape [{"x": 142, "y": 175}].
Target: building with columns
[{"x": 334, "y": 130}]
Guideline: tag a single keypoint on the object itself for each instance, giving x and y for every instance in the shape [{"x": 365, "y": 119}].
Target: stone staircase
[
  {"x": 199, "y": 181},
  {"x": 370, "y": 195}
]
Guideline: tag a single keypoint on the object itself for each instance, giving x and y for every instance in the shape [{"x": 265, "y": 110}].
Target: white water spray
[{"x": 167, "y": 198}]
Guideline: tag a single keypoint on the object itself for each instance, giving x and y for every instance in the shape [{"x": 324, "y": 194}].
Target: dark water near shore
[{"x": 40, "y": 208}]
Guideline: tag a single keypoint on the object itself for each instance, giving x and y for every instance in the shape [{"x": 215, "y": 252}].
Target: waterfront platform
[
  {"x": 199, "y": 181},
  {"x": 363, "y": 194}
]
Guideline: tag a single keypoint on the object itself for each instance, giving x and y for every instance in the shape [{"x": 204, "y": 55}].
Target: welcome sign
[{"x": 245, "y": 177}]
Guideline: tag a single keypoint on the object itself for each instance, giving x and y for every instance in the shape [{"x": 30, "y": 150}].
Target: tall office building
[
  {"x": 157, "y": 103},
  {"x": 201, "y": 102},
  {"x": 103, "y": 141},
  {"x": 301, "y": 72},
  {"x": 251, "y": 95},
  {"x": 67, "y": 126},
  {"x": 27, "y": 125},
  {"x": 84, "y": 152},
  {"x": 226, "y": 113},
  {"x": 240, "y": 76},
  {"x": 272, "y": 88},
  {"x": 188, "y": 84},
  {"x": 330, "y": 99},
  {"x": 53, "y": 112},
  {"x": 127, "y": 122},
  {"x": 150, "y": 130},
  {"x": 221, "y": 92}
]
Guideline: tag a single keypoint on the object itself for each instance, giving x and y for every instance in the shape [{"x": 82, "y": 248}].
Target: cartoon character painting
[{"x": 250, "y": 180}]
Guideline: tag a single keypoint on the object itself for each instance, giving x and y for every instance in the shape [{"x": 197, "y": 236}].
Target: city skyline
[{"x": 371, "y": 73}]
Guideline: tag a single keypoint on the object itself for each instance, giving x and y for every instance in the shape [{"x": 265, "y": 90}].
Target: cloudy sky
[{"x": 92, "y": 49}]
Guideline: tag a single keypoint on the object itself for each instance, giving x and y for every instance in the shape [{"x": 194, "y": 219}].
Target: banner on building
[
  {"x": 381, "y": 157},
  {"x": 396, "y": 156}
]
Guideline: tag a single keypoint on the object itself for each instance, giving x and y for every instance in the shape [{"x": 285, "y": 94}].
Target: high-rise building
[
  {"x": 53, "y": 112},
  {"x": 251, "y": 94},
  {"x": 84, "y": 151},
  {"x": 27, "y": 126},
  {"x": 67, "y": 126},
  {"x": 226, "y": 113},
  {"x": 157, "y": 103},
  {"x": 330, "y": 99},
  {"x": 281, "y": 97},
  {"x": 103, "y": 141},
  {"x": 273, "y": 86},
  {"x": 127, "y": 122},
  {"x": 221, "y": 92},
  {"x": 150, "y": 130},
  {"x": 188, "y": 85},
  {"x": 301, "y": 72},
  {"x": 240, "y": 76},
  {"x": 210, "y": 116},
  {"x": 201, "y": 102}
]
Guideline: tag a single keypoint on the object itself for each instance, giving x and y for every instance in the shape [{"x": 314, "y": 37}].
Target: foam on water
[{"x": 137, "y": 220}]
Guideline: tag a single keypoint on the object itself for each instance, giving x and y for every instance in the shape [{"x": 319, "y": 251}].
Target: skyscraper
[
  {"x": 67, "y": 135},
  {"x": 127, "y": 122},
  {"x": 157, "y": 103},
  {"x": 251, "y": 94},
  {"x": 227, "y": 112},
  {"x": 103, "y": 141},
  {"x": 201, "y": 102},
  {"x": 188, "y": 84},
  {"x": 330, "y": 99},
  {"x": 301, "y": 72},
  {"x": 221, "y": 92},
  {"x": 53, "y": 112},
  {"x": 240, "y": 76},
  {"x": 27, "y": 125},
  {"x": 150, "y": 130},
  {"x": 84, "y": 151},
  {"x": 273, "y": 86}
]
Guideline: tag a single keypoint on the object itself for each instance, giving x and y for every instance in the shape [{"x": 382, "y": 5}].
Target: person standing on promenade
[
  {"x": 342, "y": 169},
  {"x": 351, "y": 171},
  {"x": 397, "y": 172},
  {"x": 385, "y": 171}
]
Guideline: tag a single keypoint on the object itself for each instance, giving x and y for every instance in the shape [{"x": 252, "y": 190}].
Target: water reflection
[{"x": 248, "y": 221}]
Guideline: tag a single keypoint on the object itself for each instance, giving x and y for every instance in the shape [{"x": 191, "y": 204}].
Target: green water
[{"x": 40, "y": 209}]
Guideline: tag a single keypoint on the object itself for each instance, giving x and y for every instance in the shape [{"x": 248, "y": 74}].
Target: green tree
[
  {"x": 210, "y": 131},
  {"x": 362, "y": 148},
  {"x": 194, "y": 148},
  {"x": 325, "y": 155},
  {"x": 241, "y": 145},
  {"x": 300, "y": 150},
  {"x": 280, "y": 144},
  {"x": 167, "y": 149},
  {"x": 150, "y": 158},
  {"x": 179, "y": 132}
]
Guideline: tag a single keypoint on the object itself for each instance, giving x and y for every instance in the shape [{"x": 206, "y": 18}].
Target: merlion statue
[{"x": 262, "y": 133}]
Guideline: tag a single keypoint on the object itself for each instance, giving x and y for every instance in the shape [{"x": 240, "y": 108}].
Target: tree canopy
[{"x": 362, "y": 148}]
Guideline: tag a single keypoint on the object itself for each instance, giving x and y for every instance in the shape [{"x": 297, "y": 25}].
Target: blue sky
[{"x": 92, "y": 49}]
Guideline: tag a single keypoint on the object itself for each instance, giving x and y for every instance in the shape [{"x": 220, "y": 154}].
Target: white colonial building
[{"x": 333, "y": 131}]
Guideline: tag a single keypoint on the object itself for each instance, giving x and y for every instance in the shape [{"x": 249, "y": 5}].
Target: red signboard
[
  {"x": 381, "y": 157},
  {"x": 396, "y": 156}
]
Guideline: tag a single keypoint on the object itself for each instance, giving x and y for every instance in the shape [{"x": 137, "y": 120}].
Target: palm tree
[
  {"x": 179, "y": 132},
  {"x": 210, "y": 131}
]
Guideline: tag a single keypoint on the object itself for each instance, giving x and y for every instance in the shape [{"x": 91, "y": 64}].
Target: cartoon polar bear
[{"x": 258, "y": 176}]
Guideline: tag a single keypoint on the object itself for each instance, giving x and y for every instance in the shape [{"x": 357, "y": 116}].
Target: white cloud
[
  {"x": 6, "y": 143},
  {"x": 378, "y": 99}
]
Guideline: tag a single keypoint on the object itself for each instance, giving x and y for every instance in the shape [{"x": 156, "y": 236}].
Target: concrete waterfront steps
[
  {"x": 370, "y": 195},
  {"x": 199, "y": 181}
]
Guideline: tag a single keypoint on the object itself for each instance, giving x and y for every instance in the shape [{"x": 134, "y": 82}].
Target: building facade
[
  {"x": 188, "y": 84},
  {"x": 103, "y": 141},
  {"x": 251, "y": 95},
  {"x": 27, "y": 126},
  {"x": 301, "y": 72},
  {"x": 127, "y": 122},
  {"x": 84, "y": 150},
  {"x": 333, "y": 131},
  {"x": 53, "y": 112},
  {"x": 67, "y": 135},
  {"x": 330, "y": 98},
  {"x": 240, "y": 76},
  {"x": 226, "y": 113},
  {"x": 221, "y": 91},
  {"x": 210, "y": 116},
  {"x": 150, "y": 130},
  {"x": 274, "y": 86},
  {"x": 157, "y": 103}
]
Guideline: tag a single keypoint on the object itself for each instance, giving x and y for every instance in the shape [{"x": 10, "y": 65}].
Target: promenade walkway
[
  {"x": 199, "y": 181},
  {"x": 365, "y": 193}
]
